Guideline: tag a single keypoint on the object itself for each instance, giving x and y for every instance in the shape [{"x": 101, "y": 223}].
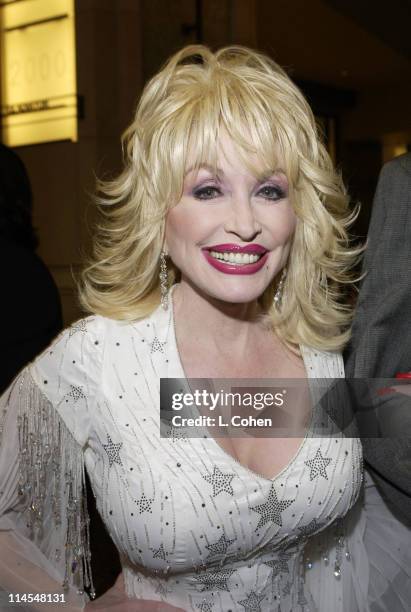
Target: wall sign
[{"x": 38, "y": 71}]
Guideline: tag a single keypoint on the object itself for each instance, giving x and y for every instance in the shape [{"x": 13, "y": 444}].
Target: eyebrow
[
  {"x": 219, "y": 172},
  {"x": 204, "y": 166}
]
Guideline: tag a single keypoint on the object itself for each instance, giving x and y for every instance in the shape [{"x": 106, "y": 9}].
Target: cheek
[
  {"x": 282, "y": 225},
  {"x": 177, "y": 226},
  {"x": 186, "y": 225}
]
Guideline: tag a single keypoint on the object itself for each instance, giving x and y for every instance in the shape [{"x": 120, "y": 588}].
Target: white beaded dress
[{"x": 193, "y": 527}]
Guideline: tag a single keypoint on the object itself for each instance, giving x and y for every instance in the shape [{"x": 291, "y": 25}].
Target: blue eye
[
  {"x": 206, "y": 193},
  {"x": 272, "y": 192},
  {"x": 269, "y": 192}
]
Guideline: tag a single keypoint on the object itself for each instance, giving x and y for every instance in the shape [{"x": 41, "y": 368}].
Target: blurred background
[{"x": 72, "y": 72}]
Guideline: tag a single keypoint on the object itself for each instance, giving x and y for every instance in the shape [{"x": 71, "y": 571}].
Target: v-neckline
[{"x": 179, "y": 372}]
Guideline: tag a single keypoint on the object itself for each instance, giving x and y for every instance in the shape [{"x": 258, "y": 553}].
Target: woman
[{"x": 227, "y": 190}]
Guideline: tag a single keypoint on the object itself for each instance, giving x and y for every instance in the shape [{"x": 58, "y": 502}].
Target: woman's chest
[
  {"x": 264, "y": 358},
  {"x": 177, "y": 503}
]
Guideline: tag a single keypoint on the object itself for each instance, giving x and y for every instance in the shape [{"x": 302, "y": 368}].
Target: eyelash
[{"x": 279, "y": 193}]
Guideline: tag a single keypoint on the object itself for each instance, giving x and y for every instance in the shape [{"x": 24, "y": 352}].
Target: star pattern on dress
[
  {"x": 252, "y": 603},
  {"x": 205, "y": 606},
  {"x": 112, "y": 450},
  {"x": 318, "y": 465},
  {"x": 156, "y": 345},
  {"x": 220, "y": 547},
  {"x": 271, "y": 509},
  {"x": 78, "y": 326},
  {"x": 75, "y": 393},
  {"x": 219, "y": 481},
  {"x": 144, "y": 504},
  {"x": 214, "y": 580},
  {"x": 159, "y": 553},
  {"x": 279, "y": 565},
  {"x": 308, "y": 530},
  {"x": 174, "y": 434}
]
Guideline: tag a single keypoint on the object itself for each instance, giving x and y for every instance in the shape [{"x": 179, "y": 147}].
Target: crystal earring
[
  {"x": 278, "y": 296},
  {"x": 163, "y": 280}
]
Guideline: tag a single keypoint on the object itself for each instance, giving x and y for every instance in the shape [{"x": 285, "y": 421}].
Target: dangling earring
[
  {"x": 163, "y": 280},
  {"x": 278, "y": 296}
]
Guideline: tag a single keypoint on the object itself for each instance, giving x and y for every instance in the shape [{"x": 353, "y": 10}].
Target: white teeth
[{"x": 236, "y": 258}]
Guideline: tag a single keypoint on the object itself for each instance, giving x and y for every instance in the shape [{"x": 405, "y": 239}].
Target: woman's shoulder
[
  {"x": 90, "y": 346},
  {"x": 91, "y": 334},
  {"x": 139, "y": 333},
  {"x": 69, "y": 370}
]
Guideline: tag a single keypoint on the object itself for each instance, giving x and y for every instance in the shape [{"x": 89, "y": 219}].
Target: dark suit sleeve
[{"x": 381, "y": 340}]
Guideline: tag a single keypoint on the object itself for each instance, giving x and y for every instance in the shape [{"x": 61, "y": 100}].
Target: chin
[{"x": 236, "y": 295}]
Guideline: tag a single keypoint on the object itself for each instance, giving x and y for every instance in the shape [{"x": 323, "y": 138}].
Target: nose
[{"x": 242, "y": 220}]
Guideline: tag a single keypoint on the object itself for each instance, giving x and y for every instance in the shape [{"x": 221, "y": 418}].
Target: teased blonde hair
[{"x": 183, "y": 107}]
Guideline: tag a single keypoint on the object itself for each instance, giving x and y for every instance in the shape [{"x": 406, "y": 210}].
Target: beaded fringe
[{"x": 52, "y": 472}]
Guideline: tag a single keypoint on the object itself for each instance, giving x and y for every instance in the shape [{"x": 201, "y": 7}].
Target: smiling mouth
[{"x": 240, "y": 259}]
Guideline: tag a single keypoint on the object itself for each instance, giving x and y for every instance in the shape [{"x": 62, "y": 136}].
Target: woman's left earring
[{"x": 163, "y": 280}]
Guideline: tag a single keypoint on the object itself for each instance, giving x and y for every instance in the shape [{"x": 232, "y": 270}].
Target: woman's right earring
[
  {"x": 278, "y": 296},
  {"x": 163, "y": 281}
]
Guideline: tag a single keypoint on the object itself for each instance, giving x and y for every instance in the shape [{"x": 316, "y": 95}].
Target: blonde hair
[{"x": 182, "y": 108}]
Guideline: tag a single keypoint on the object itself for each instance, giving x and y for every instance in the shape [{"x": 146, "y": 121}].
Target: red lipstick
[
  {"x": 228, "y": 267},
  {"x": 236, "y": 248}
]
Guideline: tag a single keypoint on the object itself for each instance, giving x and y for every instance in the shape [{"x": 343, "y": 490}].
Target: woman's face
[{"x": 230, "y": 234}]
